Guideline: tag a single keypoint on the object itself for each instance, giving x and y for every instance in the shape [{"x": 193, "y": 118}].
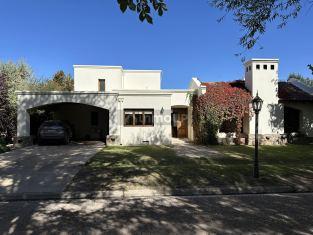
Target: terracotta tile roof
[
  {"x": 239, "y": 84},
  {"x": 286, "y": 91},
  {"x": 236, "y": 83}
]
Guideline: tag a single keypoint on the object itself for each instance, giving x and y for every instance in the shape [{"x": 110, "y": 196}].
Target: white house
[
  {"x": 126, "y": 107},
  {"x": 129, "y": 107},
  {"x": 287, "y": 107}
]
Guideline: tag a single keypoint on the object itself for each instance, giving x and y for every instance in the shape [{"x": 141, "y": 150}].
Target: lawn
[{"x": 159, "y": 166}]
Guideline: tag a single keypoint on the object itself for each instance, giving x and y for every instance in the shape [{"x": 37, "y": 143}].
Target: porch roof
[{"x": 290, "y": 92}]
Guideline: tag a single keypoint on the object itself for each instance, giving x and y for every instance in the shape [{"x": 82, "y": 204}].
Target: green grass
[
  {"x": 159, "y": 166},
  {"x": 288, "y": 154}
]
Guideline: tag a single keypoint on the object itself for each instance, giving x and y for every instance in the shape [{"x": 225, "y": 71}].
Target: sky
[{"x": 186, "y": 42}]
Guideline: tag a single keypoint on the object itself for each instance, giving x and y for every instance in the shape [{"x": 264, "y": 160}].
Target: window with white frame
[{"x": 138, "y": 117}]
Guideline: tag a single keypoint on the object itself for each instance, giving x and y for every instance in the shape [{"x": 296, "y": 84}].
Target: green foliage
[
  {"x": 13, "y": 77},
  {"x": 19, "y": 76},
  {"x": 221, "y": 103},
  {"x": 59, "y": 82},
  {"x": 143, "y": 8},
  {"x": 253, "y": 16},
  {"x": 297, "y": 76},
  {"x": 306, "y": 81},
  {"x": 310, "y": 68},
  {"x": 4, "y": 106},
  {"x": 3, "y": 147},
  {"x": 16, "y": 77}
]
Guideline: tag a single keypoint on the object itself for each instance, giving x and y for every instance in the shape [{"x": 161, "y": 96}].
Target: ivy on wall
[{"x": 222, "y": 102}]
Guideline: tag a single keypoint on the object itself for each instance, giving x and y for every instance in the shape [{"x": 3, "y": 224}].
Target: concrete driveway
[{"x": 38, "y": 169}]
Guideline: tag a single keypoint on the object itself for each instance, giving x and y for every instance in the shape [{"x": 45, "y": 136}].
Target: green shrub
[
  {"x": 3, "y": 147},
  {"x": 306, "y": 81}
]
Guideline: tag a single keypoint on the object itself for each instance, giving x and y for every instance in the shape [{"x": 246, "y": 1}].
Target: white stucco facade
[
  {"x": 261, "y": 77},
  {"x": 160, "y": 132},
  {"x": 139, "y": 91},
  {"x": 124, "y": 90},
  {"x": 30, "y": 100},
  {"x": 86, "y": 78}
]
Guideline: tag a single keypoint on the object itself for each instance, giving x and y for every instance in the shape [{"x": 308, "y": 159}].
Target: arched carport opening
[{"x": 87, "y": 122}]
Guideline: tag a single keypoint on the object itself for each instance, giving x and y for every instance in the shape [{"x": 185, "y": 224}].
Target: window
[
  {"x": 149, "y": 118},
  {"x": 250, "y": 68},
  {"x": 128, "y": 118},
  {"x": 258, "y": 67},
  {"x": 272, "y": 67},
  {"x": 265, "y": 66},
  {"x": 101, "y": 85},
  {"x": 94, "y": 117},
  {"x": 247, "y": 69},
  {"x": 138, "y": 117}
]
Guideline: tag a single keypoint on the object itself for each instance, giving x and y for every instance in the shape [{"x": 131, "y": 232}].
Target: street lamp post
[{"x": 257, "y": 103}]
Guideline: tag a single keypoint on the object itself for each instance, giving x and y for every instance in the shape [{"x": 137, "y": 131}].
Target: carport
[
  {"x": 86, "y": 122},
  {"x": 91, "y": 115}
]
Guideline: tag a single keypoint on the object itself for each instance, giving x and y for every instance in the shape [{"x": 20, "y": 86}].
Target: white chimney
[{"x": 261, "y": 75}]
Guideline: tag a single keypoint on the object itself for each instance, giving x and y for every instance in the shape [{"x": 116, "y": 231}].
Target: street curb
[{"x": 231, "y": 190}]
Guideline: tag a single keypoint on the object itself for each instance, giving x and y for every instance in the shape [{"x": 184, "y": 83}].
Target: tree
[
  {"x": 3, "y": 106},
  {"x": 143, "y": 8},
  {"x": 305, "y": 80},
  {"x": 59, "y": 77},
  {"x": 251, "y": 15},
  {"x": 13, "y": 77},
  {"x": 65, "y": 82},
  {"x": 59, "y": 82},
  {"x": 310, "y": 68},
  {"x": 19, "y": 76}
]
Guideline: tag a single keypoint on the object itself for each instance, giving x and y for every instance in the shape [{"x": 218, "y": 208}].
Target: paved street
[
  {"x": 245, "y": 214},
  {"x": 43, "y": 168}
]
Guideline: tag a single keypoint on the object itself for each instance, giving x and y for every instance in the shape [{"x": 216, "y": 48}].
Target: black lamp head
[{"x": 257, "y": 103}]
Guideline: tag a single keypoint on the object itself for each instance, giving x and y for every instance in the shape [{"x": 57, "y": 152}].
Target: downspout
[{"x": 120, "y": 101}]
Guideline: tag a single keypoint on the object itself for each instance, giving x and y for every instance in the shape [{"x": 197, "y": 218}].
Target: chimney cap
[{"x": 273, "y": 60}]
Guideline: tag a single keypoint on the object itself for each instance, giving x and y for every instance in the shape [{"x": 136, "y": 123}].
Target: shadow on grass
[{"x": 117, "y": 168}]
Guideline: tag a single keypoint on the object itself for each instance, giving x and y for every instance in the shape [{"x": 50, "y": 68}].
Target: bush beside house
[
  {"x": 3, "y": 147},
  {"x": 221, "y": 106}
]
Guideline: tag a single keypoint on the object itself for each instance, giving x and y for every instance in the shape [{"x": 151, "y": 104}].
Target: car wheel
[
  {"x": 40, "y": 142},
  {"x": 66, "y": 140}
]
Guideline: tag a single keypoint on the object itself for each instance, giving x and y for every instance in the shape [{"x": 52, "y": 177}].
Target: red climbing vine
[{"x": 222, "y": 102}]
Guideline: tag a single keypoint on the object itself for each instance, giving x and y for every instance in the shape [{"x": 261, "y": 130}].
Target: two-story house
[
  {"x": 129, "y": 107},
  {"x": 125, "y": 107}
]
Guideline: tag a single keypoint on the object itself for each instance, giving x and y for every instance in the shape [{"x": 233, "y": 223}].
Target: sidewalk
[{"x": 154, "y": 192}]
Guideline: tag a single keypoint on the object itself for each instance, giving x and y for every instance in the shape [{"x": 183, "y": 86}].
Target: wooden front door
[{"x": 180, "y": 123}]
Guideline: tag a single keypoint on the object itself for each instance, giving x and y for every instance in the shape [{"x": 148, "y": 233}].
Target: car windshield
[{"x": 52, "y": 123}]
